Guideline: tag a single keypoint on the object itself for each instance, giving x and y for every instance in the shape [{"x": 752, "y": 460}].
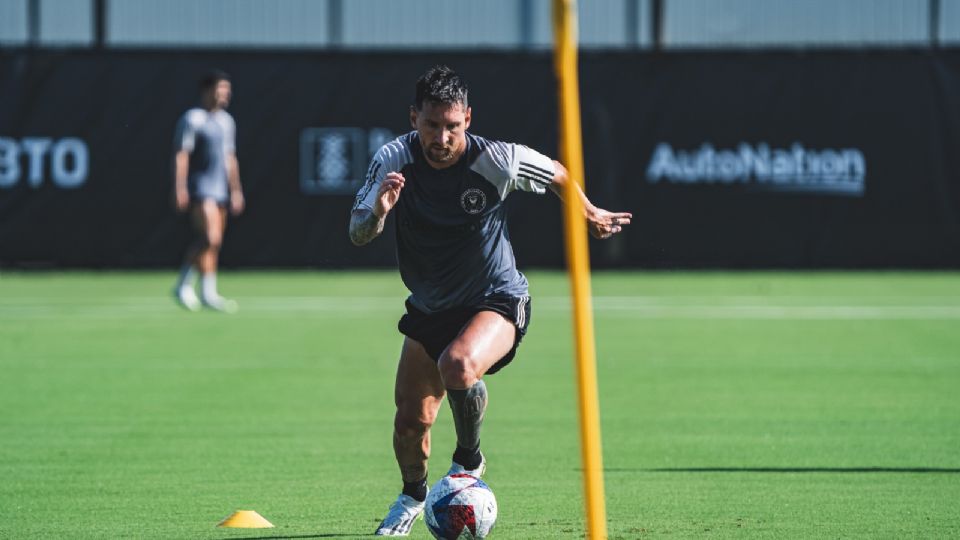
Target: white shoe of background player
[{"x": 187, "y": 298}]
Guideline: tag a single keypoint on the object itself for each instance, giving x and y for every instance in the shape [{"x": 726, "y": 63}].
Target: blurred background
[{"x": 740, "y": 133}]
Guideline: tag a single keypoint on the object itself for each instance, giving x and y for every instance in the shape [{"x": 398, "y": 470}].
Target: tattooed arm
[{"x": 365, "y": 225}]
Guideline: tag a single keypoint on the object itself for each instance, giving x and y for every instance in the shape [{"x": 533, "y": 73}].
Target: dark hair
[
  {"x": 440, "y": 84},
  {"x": 212, "y": 78}
]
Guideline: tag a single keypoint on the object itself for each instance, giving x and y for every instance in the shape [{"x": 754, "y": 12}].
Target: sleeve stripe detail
[
  {"x": 536, "y": 174},
  {"x": 405, "y": 145},
  {"x": 538, "y": 180},
  {"x": 368, "y": 185},
  {"x": 392, "y": 156},
  {"x": 534, "y": 168}
]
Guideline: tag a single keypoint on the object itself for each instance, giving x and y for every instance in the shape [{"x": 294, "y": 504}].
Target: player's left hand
[
  {"x": 603, "y": 224},
  {"x": 237, "y": 203}
]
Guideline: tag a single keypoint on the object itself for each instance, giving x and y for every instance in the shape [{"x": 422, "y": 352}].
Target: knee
[
  {"x": 458, "y": 368},
  {"x": 213, "y": 240},
  {"x": 413, "y": 424}
]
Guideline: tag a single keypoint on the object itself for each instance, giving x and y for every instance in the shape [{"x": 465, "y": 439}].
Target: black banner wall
[{"x": 731, "y": 160}]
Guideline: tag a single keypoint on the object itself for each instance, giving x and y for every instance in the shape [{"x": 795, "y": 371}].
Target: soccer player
[
  {"x": 468, "y": 307},
  {"x": 206, "y": 181}
]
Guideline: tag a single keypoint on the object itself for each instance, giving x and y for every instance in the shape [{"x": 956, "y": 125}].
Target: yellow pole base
[{"x": 245, "y": 519}]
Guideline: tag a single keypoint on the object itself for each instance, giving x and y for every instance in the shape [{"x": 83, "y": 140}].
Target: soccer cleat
[
  {"x": 403, "y": 512},
  {"x": 219, "y": 303},
  {"x": 187, "y": 298},
  {"x": 456, "y": 468}
]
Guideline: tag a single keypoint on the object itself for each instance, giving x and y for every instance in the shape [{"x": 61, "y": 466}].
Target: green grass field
[{"x": 754, "y": 405}]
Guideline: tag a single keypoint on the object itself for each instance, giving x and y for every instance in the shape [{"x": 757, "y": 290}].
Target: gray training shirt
[
  {"x": 209, "y": 137},
  {"x": 453, "y": 248}
]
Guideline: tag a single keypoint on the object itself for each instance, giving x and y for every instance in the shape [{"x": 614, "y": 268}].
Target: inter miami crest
[{"x": 473, "y": 201}]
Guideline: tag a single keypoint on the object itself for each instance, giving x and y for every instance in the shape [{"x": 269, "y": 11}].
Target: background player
[
  {"x": 206, "y": 179},
  {"x": 468, "y": 307}
]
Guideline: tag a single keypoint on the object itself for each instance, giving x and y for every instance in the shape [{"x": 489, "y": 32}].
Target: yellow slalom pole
[{"x": 578, "y": 263}]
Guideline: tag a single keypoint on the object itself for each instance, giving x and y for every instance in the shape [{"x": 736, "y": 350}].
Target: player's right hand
[
  {"x": 388, "y": 194},
  {"x": 182, "y": 201}
]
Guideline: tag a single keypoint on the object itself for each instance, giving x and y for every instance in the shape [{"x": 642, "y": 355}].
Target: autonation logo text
[{"x": 795, "y": 169}]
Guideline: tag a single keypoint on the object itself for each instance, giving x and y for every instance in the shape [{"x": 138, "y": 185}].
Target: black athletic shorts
[{"x": 436, "y": 330}]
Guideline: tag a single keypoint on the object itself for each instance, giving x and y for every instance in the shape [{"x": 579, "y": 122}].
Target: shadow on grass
[{"x": 859, "y": 470}]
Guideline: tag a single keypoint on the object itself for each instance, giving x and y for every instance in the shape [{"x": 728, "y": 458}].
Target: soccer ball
[{"x": 460, "y": 506}]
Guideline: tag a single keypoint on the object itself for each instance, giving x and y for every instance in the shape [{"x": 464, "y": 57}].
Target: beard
[{"x": 440, "y": 154}]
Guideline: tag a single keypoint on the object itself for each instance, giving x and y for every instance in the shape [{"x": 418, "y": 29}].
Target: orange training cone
[{"x": 245, "y": 519}]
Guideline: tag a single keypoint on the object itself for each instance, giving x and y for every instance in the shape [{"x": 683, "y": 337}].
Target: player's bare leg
[
  {"x": 193, "y": 261},
  {"x": 211, "y": 219},
  {"x": 418, "y": 394},
  {"x": 484, "y": 340},
  {"x": 183, "y": 290}
]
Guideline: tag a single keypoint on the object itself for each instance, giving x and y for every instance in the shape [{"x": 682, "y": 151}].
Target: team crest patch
[{"x": 473, "y": 201}]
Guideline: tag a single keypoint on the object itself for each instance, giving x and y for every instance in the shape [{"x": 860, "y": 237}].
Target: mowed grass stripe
[{"x": 637, "y": 307}]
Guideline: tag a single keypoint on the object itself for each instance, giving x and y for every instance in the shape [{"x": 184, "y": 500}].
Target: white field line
[{"x": 641, "y": 307}]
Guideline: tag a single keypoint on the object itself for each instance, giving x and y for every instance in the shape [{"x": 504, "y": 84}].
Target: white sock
[
  {"x": 208, "y": 285},
  {"x": 188, "y": 274}
]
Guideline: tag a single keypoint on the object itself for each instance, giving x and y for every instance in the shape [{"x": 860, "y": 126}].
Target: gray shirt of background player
[
  {"x": 209, "y": 137},
  {"x": 453, "y": 247}
]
